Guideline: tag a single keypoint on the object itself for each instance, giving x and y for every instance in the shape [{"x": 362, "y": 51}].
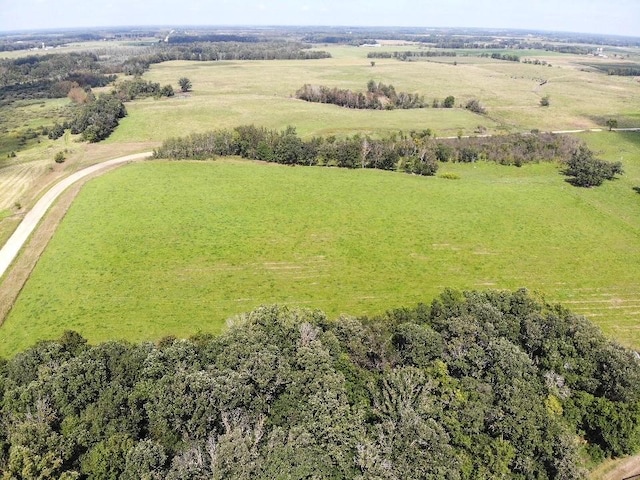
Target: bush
[
  {"x": 449, "y": 176},
  {"x": 185, "y": 84},
  {"x": 588, "y": 171},
  {"x": 449, "y": 102},
  {"x": 56, "y": 132},
  {"x": 475, "y": 106},
  {"x": 544, "y": 101},
  {"x": 59, "y": 158}
]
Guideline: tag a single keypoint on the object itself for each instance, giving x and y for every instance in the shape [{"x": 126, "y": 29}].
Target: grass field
[
  {"x": 227, "y": 94},
  {"x": 219, "y": 238},
  {"x": 165, "y": 248}
]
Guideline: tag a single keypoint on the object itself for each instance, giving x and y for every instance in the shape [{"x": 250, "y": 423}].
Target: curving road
[{"x": 10, "y": 250}]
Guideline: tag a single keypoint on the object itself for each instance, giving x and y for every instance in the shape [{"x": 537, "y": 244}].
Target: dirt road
[{"x": 10, "y": 249}]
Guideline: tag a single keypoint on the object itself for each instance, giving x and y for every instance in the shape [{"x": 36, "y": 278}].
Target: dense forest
[
  {"x": 417, "y": 152},
  {"x": 53, "y": 75},
  {"x": 474, "y": 385}
]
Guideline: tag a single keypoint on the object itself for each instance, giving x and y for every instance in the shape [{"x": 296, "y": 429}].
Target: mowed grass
[
  {"x": 227, "y": 94},
  {"x": 174, "y": 248}
]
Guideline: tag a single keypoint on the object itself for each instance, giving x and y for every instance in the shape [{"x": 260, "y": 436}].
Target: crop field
[{"x": 173, "y": 248}]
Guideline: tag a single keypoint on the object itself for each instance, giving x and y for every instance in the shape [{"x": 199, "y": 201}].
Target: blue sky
[{"x": 590, "y": 16}]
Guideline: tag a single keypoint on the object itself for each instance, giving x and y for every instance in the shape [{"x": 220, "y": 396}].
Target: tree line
[
  {"x": 377, "y": 97},
  {"x": 416, "y": 152},
  {"x": 412, "y": 54},
  {"x": 502, "y": 56},
  {"x": 409, "y": 153},
  {"x": 472, "y": 385},
  {"x": 276, "y": 50}
]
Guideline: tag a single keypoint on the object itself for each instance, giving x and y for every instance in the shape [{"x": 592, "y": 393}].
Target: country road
[{"x": 10, "y": 250}]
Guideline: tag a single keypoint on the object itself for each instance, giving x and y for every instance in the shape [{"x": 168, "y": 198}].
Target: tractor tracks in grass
[{"x": 56, "y": 201}]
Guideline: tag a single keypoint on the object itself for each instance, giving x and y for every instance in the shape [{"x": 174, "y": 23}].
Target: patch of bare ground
[
  {"x": 17, "y": 275},
  {"x": 617, "y": 469}
]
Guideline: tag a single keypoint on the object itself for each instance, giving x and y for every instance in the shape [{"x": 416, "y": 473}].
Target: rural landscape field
[{"x": 464, "y": 184}]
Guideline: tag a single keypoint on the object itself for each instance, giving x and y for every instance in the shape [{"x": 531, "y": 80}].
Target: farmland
[
  {"x": 284, "y": 293},
  {"x": 496, "y": 227},
  {"x": 236, "y": 93},
  {"x": 175, "y": 248}
]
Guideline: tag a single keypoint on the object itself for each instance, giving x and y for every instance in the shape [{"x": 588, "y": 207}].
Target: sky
[{"x": 618, "y": 17}]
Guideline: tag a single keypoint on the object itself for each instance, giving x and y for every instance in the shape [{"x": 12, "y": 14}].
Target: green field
[
  {"x": 175, "y": 248},
  {"x": 226, "y": 94},
  {"x": 164, "y": 248}
]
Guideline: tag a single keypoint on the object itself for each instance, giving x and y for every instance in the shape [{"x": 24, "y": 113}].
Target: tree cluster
[
  {"x": 412, "y": 154},
  {"x": 474, "y": 385},
  {"x": 128, "y": 90},
  {"x": 536, "y": 62},
  {"x": 475, "y": 106},
  {"x": 409, "y": 54},
  {"x": 377, "y": 97},
  {"x": 98, "y": 118},
  {"x": 587, "y": 171},
  {"x": 502, "y": 56}
]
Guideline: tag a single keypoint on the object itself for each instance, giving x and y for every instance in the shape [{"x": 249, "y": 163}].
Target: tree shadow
[{"x": 637, "y": 189}]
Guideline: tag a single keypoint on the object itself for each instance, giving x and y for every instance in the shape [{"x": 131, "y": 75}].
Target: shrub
[
  {"x": 56, "y": 132},
  {"x": 449, "y": 176},
  {"x": 185, "y": 84},
  {"x": 59, "y": 158},
  {"x": 475, "y": 106},
  {"x": 449, "y": 102},
  {"x": 588, "y": 171}
]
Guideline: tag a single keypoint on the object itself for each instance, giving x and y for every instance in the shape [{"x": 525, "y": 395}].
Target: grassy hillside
[
  {"x": 165, "y": 248},
  {"x": 226, "y": 94}
]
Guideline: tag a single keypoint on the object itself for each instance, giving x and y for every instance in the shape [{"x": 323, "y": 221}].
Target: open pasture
[
  {"x": 173, "y": 248},
  {"x": 226, "y": 94}
]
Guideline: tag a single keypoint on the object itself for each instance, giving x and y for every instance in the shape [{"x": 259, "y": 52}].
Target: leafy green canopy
[
  {"x": 417, "y": 152},
  {"x": 476, "y": 385}
]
